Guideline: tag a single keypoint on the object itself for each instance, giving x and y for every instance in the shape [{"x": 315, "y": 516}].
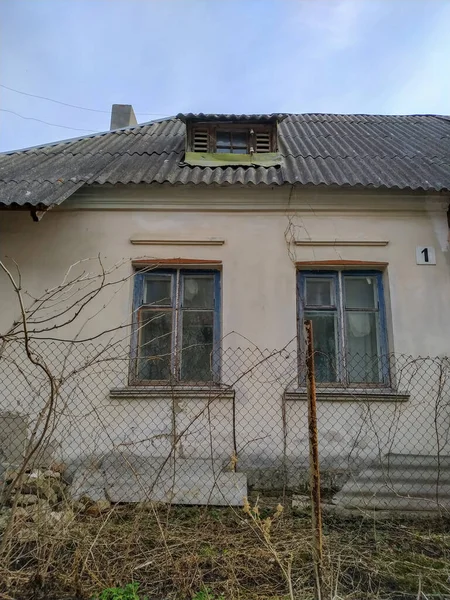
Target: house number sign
[{"x": 425, "y": 255}]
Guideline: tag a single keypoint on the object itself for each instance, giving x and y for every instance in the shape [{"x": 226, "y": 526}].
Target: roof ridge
[{"x": 381, "y": 115}]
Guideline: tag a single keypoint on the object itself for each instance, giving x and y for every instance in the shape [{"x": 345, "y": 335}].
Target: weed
[
  {"x": 206, "y": 594},
  {"x": 264, "y": 526},
  {"x": 129, "y": 592}
]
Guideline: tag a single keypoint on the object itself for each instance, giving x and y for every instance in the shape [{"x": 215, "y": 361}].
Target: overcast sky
[{"x": 170, "y": 56}]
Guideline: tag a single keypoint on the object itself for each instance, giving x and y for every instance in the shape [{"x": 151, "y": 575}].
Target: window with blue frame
[
  {"x": 347, "y": 311},
  {"x": 176, "y": 332}
]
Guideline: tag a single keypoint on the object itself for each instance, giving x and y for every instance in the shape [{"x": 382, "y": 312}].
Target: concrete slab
[
  {"x": 13, "y": 437},
  {"x": 131, "y": 478},
  {"x": 90, "y": 482}
]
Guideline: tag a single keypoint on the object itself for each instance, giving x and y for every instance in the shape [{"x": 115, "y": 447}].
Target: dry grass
[{"x": 174, "y": 552}]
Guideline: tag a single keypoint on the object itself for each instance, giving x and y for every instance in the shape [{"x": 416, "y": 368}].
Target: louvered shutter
[
  {"x": 262, "y": 140},
  {"x": 200, "y": 140}
]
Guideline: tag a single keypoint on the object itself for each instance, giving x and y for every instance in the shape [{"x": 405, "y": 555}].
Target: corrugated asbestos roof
[{"x": 396, "y": 152}]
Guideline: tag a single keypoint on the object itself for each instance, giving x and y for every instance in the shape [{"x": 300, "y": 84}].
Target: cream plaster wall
[
  {"x": 258, "y": 273},
  {"x": 258, "y": 281}
]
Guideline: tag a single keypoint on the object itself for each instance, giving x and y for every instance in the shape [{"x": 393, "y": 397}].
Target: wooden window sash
[
  {"x": 177, "y": 311},
  {"x": 341, "y": 310}
]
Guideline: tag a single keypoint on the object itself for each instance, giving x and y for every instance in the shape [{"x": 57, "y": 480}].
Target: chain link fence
[
  {"x": 96, "y": 471},
  {"x": 68, "y": 406}
]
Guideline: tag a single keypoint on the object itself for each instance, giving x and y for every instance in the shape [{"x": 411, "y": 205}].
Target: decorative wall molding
[
  {"x": 341, "y": 242},
  {"x": 142, "y": 241},
  {"x": 179, "y": 392},
  {"x": 350, "y": 395},
  {"x": 177, "y": 262},
  {"x": 357, "y": 264}
]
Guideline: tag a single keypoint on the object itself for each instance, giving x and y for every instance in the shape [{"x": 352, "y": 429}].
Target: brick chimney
[{"x": 122, "y": 115}]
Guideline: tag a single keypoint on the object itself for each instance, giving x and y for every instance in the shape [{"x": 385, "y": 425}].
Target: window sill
[
  {"x": 167, "y": 392},
  {"x": 350, "y": 395}
]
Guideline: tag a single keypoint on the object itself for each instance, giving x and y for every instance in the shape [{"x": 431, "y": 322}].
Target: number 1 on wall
[{"x": 425, "y": 255}]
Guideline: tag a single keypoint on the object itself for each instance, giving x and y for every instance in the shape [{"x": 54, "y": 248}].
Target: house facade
[{"x": 218, "y": 235}]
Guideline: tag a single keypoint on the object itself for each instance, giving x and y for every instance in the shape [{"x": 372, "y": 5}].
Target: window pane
[
  {"x": 223, "y": 137},
  {"x": 158, "y": 290},
  {"x": 223, "y": 141},
  {"x": 319, "y": 292},
  {"x": 360, "y": 292},
  {"x": 363, "y": 361},
  {"x": 197, "y": 336},
  {"x": 235, "y": 143},
  {"x": 198, "y": 292},
  {"x": 325, "y": 344},
  {"x": 240, "y": 140},
  {"x": 155, "y": 346}
]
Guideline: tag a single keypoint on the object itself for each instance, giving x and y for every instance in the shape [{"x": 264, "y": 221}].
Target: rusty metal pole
[{"x": 314, "y": 471}]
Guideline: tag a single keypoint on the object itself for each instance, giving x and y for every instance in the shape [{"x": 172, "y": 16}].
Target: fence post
[{"x": 314, "y": 472}]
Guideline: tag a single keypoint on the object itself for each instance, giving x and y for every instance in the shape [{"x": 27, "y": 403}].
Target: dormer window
[
  {"x": 232, "y": 138},
  {"x": 227, "y": 140}
]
